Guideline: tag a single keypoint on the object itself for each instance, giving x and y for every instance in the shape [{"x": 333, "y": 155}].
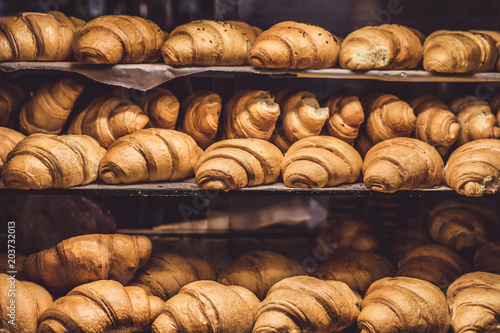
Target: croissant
[
  {"x": 249, "y": 114},
  {"x": 162, "y": 108},
  {"x": 448, "y": 51},
  {"x": 387, "y": 117},
  {"x": 21, "y": 304},
  {"x": 202, "y": 306},
  {"x": 320, "y": 161},
  {"x": 112, "y": 39},
  {"x": 487, "y": 258},
  {"x": 252, "y": 32},
  {"x": 306, "y": 304},
  {"x": 236, "y": 163},
  {"x": 32, "y": 36},
  {"x": 87, "y": 258},
  {"x": 107, "y": 118},
  {"x": 101, "y": 306},
  {"x": 357, "y": 269},
  {"x": 295, "y": 45},
  {"x": 12, "y": 98},
  {"x": 436, "y": 124},
  {"x": 473, "y": 300},
  {"x": 402, "y": 164},
  {"x": 475, "y": 118},
  {"x": 43, "y": 161},
  {"x": 206, "y": 43},
  {"x": 166, "y": 273},
  {"x": 473, "y": 169},
  {"x": 495, "y": 36},
  {"x": 346, "y": 116},
  {"x": 258, "y": 271},
  {"x": 8, "y": 140},
  {"x": 199, "y": 117},
  {"x": 150, "y": 155},
  {"x": 389, "y": 46},
  {"x": 301, "y": 117},
  {"x": 49, "y": 108}
]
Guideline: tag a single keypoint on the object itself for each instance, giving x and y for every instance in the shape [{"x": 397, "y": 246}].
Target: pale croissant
[
  {"x": 487, "y": 258},
  {"x": 108, "y": 118},
  {"x": 8, "y": 140},
  {"x": 12, "y": 98},
  {"x": 249, "y": 114},
  {"x": 49, "y": 108},
  {"x": 320, "y": 161},
  {"x": 112, "y": 39},
  {"x": 252, "y": 32},
  {"x": 206, "y": 43},
  {"x": 202, "y": 306},
  {"x": 346, "y": 116},
  {"x": 43, "y": 161},
  {"x": 296, "y": 46},
  {"x": 402, "y": 164},
  {"x": 162, "y": 108},
  {"x": 237, "y": 163},
  {"x": 199, "y": 117}
]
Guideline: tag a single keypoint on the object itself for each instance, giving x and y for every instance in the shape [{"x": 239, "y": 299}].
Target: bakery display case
[{"x": 258, "y": 188}]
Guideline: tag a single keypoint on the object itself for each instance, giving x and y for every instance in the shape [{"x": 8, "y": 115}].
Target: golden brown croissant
[
  {"x": 249, "y": 114},
  {"x": 49, "y": 108},
  {"x": 100, "y": 307},
  {"x": 22, "y": 303},
  {"x": 346, "y": 116},
  {"x": 301, "y": 117},
  {"x": 162, "y": 108},
  {"x": 149, "y": 155},
  {"x": 166, "y": 273},
  {"x": 295, "y": 45},
  {"x": 487, "y": 258},
  {"x": 386, "y": 117},
  {"x": 475, "y": 118},
  {"x": 206, "y": 43},
  {"x": 403, "y": 304},
  {"x": 199, "y": 117},
  {"x": 320, "y": 161},
  {"x": 8, "y": 140},
  {"x": 357, "y": 269},
  {"x": 389, "y": 46},
  {"x": 202, "y": 306},
  {"x": 88, "y": 258},
  {"x": 236, "y": 163},
  {"x": 448, "y": 51},
  {"x": 112, "y": 39},
  {"x": 436, "y": 124},
  {"x": 251, "y": 31},
  {"x": 473, "y": 300},
  {"x": 473, "y": 169},
  {"x": 402, "y": 164},
  {"x": 306, "y": 304},
  {"x": 48, "y": 161},
  {"x": 12, "y": 98},
  {"x": 259, "y": 270},
  {"x": 107, "y": 118}
]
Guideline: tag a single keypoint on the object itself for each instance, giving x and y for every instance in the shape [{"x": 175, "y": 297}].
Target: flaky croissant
[
  {"x": 199, "y": 117},
  {"x": 112, "y": 39},
  {"x": 487, "y": 258},
  {"x": 473, "y": 301},
  {"x": 388, "y": 46},
  {"x": 402, "y": 164},
  {"x": 206, "y": 43},
  {"x": 296, "y": 46},
  {"x": 21, "y": 304},
  {"x": 49, "y": 108},
  {"x": 495, "y": 35},
  {"x": 259, "y": 270},
  {"x": 149, "y": 155},
  {"x": 202, "y": 306},
  {"x": 12, "y": 98},
  {"x": 237, "y": 163},
  {"x": 320, "y": 161},
  {"x": 162, "y": 108},
  {"x": 101, "y": 307},
  {"x": 403, "y": 304},
  {"x": 87, "y": 258},
  {"x": 48, "y": 161},
  {"x": 307, "y": 304},
  {"x": 252, "y": 32},
  {"x": 166, "y": 273},
  {"x": 301, "y": 117},
  {"x": 8, "y": 140},
  {"x": 346, "y": 116},
  {"x": 249, "y": 114},
  {"x": 473, "y": 169},
  {"x": 107, "y": 118}
]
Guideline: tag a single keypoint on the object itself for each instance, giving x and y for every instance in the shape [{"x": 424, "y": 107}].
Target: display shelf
[{"x": 147, "y": 76}]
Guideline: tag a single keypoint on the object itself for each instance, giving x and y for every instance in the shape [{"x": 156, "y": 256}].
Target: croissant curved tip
[
  {"x": 270, "y": 53},
  {"x": 472, "y": 189},
  {"x": 108, "y": 175},
  {"x": 436, "y": 60},
  {"x": 496, "y": 132},
  {"x": 454, "y": 130}
]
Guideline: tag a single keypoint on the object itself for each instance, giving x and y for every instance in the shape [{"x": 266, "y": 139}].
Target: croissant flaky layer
[
  {"x": 346, "y": 116},
  {"x": 8, "y": 140}
]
